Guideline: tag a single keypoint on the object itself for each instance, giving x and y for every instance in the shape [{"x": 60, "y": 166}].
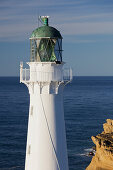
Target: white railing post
[
  {"x": 25, "y": 74},
  {"x": 29, "y": 74},
  {"x": 67, "y": 74},
  {"x": 21, "y": 71}
]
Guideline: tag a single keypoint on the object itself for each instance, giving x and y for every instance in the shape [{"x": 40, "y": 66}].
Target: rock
[
  {"x": 91, "y": 153},
  {"x": 94, "y": 148},
  {"x": 107, "y": 127},
  {"x": 109, "y": 121},
  {"x": 103, "y": 159}
]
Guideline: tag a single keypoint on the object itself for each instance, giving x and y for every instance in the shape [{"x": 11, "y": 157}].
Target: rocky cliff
[{"x": 103, "y": 159}]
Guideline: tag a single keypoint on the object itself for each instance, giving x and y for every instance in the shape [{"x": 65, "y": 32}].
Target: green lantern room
[{"x": 46, "y": 43}]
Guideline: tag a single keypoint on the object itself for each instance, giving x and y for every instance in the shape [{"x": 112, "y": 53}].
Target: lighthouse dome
[{"x": 46, "y": 32}]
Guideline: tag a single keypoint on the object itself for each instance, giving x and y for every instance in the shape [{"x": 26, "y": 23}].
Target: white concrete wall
[
  {"x": 46, "y": 141},
  {"x": 46, "y": 71}
]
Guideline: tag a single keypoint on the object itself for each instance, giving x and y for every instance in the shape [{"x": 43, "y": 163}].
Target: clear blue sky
[{"x": 86, "y": 27}]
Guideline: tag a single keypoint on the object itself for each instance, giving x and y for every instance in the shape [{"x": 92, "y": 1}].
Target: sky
[{"x": 86, "y": 27}]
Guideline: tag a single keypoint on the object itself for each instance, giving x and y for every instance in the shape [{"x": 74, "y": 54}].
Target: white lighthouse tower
[{"x": 46, "y": 139}]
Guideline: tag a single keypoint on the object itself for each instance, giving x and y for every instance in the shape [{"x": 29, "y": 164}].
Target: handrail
[{"x": 27, "y": 76}]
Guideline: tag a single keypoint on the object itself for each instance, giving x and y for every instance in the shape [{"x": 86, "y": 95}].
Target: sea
[{"x": 88, "y": 102}]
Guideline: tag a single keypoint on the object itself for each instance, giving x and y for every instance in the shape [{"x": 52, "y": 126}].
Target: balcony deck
[{"x": 27, "y": 76}]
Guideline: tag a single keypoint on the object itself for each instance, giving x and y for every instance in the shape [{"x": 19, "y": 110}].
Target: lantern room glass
[{"x": 46, "y": 50}]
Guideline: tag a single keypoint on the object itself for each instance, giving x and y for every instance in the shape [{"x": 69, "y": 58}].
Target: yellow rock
[{"x": 103, "y": 159}]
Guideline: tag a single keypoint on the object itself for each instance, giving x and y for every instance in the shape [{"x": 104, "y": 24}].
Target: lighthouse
[{"x": 46, "y": 78}]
